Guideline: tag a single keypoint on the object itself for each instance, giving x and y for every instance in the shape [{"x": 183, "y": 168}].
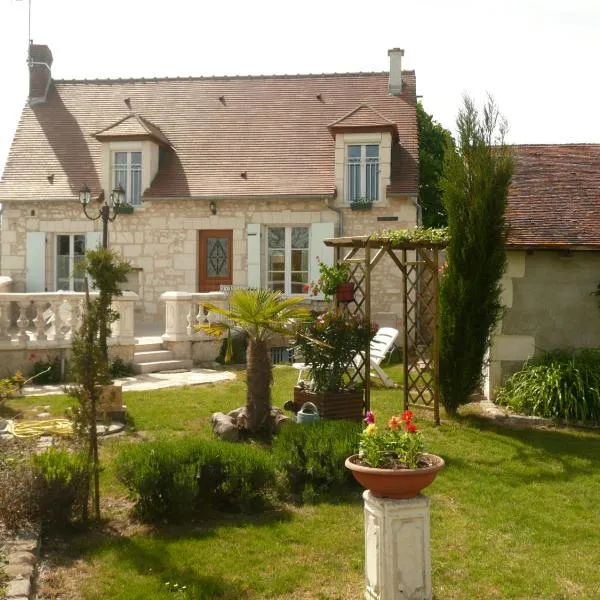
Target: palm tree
[{"x": 258, "y": 314}]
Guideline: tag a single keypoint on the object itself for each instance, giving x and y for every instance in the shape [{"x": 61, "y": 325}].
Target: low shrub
[
  {"x": 17, "y": 505},
  {"x": 46, "y": 372},
  {"x": 120, "y": 368},
  {"x": 560, "y": 384},
  {"x": 178, "y": 479},
  {"x": 61, "y": 481},
  {"x": 311, "y": 456},
  {"x": 239, "y": 343}
]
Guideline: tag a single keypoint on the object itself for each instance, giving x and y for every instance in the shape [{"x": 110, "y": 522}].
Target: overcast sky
[{"x": 539, "y": 58}]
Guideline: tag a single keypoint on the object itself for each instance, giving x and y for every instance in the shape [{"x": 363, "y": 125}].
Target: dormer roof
[
  {"x": 361, "y": 119},
  {"x": 132, "y": 127}
]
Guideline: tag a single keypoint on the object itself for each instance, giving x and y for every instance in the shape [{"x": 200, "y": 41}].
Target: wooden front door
[{"x": 214, "y": 259}]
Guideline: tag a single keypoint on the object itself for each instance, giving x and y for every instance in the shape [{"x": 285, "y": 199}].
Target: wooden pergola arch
[{"x": 419, "y": 264}]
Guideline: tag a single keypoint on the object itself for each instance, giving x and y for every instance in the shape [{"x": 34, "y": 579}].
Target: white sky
[{"x": 537, "y": 57}]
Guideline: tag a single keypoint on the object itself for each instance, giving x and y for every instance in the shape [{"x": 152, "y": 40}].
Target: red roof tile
[
  {"x": 274, "y": 128},
  {"x": 554, "y": 196}
]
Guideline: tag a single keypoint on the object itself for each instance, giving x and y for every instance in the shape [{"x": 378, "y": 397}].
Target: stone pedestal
[{"x": 397, "y": 554}]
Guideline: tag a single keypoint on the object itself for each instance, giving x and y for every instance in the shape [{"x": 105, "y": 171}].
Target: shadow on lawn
[
  {"x": 147, "y": 553},
  {"x": 538, "y": 452}
]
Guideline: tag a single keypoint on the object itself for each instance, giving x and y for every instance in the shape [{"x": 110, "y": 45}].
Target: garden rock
[{"x": 225, "y": 427}]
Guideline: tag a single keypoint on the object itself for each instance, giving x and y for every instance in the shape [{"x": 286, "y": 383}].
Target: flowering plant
[
  {"x": 330, "y": 277},
  {"x": 399, "y": 446},
  {"x": 329, "y": 345}
]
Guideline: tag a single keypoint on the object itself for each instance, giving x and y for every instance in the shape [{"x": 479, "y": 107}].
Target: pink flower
[{"x": 369, "y": 418}]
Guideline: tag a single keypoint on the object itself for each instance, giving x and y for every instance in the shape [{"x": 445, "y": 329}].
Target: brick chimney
[
  {"x": 40, "y": 75},
  {"x": 395, "y": 83}
]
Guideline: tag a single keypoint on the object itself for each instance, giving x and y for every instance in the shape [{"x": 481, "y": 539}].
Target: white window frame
[
  {"x": 363, "y": 161},
  {"x": 287, "y": 281},
  {"x": 128, "y": 152},
  {"x": 71, "y": 237}
]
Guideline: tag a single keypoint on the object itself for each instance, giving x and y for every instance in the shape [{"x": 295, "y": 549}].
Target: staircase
[{"x": 151, "y": 357}]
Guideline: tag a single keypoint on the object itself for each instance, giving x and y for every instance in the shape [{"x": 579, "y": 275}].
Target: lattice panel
[
  {"x": 420, "y": 300},
  {"x": 420, "y": 336}
]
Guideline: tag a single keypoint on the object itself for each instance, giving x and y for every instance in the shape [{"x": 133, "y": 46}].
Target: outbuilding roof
[{"x": 554, "y": 196}]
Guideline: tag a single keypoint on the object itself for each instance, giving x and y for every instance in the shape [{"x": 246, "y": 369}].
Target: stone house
[
  {"x": 553, "y": 251},
  {"x": 234, "y": 181}
]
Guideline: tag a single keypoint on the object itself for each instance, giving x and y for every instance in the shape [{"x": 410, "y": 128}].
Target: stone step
[
  {"x": 148, "y": 346},
  {"x": 162, "y": 365},
  {"x": 152, "y": 356}
]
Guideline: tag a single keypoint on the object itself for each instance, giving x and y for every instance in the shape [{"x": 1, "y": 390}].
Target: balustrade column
[
  {"x": 23, "y": 321},
  {"x": 39, "y": 321},
  {"x": 58, "y": 322}
]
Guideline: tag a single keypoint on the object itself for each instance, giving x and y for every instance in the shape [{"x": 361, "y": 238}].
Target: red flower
[
  {"x": 407, "y": 416},
  {"x": 410, "y": 427}
]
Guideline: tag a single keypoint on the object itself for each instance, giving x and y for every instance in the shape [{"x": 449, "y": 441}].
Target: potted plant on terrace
[
  {"x": 391, "y": 462},
  {"x": 329, "y": 345},
  {"x": 334, "y": 280}
]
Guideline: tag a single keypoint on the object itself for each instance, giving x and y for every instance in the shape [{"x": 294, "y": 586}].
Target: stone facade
[
  {"x": 548, "y": 305},
  {"x": 160, "y": 240}
]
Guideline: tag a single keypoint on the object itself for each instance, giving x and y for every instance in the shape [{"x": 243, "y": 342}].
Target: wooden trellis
[{"x": 419, "y": 265}]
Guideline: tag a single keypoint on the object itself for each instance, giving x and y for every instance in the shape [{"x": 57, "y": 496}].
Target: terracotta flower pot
[
  {"x": 345, "y": 292},
  {"x": 398, "y": 484}
]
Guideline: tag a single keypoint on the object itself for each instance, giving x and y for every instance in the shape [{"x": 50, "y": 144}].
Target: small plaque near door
[{"x": 214, "y": 259}]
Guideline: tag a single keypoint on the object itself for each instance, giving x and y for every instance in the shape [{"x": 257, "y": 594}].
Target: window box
[
  {"x": 124, "y": 209},
  {"x": 361, "y": 204}
]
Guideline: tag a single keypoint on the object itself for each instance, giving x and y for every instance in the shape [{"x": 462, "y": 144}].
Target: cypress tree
[{"x": 475, "y": 189}]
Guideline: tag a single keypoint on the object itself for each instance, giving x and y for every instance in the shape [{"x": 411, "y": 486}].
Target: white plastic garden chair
[{"x": 381, "y": 345}]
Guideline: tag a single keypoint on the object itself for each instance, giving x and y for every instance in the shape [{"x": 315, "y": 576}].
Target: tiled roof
[
  {"x": 554, "y": 196},
  {"x": 273, "y": 128}
]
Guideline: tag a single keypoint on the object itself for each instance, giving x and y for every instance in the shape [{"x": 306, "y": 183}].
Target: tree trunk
[{"x": 258, "y": 395}]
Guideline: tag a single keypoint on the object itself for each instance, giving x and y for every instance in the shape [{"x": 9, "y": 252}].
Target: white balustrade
[
  {"x": 46, "y": 318},
  {"x": 184, "y": 310}
]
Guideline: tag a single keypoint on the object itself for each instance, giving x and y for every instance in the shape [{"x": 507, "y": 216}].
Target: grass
[{"x": 515, "y": 514}]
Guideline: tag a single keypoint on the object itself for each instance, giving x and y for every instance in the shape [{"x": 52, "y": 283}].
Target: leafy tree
[
  {"x": 259, "y": 314},
  {"x": 475, "y": 188},
  {"x": 433, "y": 141},
  {"x": 90, "y": 366}
]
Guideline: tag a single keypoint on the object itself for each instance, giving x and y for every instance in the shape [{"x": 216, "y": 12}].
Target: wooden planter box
[
  {"x": 344, "y": 404},
  {"x": 110, "y": 405}
]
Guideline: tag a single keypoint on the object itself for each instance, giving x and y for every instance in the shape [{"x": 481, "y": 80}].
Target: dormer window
[
  {"x": 362, "y": 172},
  {"x": 127, "y": 172}
]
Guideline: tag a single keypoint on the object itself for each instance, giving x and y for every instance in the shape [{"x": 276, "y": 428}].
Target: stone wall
[
  {"x": 160, "y": 240},
  {"x": 549, "y": 305}
]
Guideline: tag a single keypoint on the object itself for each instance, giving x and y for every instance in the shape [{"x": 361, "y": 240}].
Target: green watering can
[{"x": 309, "y": 413}]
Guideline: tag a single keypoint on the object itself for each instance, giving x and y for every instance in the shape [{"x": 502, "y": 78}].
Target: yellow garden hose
[{"x": 31, "y": 429}]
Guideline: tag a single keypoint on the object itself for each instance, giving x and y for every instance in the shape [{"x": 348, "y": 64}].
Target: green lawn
[{"x": 515, "y": 514}]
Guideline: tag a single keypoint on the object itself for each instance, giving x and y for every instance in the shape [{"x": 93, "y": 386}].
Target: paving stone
[
  {"x": 18, "y": 587},
  {"x": 18, "y": 571},
  {"x": 21, "y": 558}
]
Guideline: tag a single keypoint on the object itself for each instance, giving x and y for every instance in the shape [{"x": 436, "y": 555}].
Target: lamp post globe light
[{"x": 107, "y": 212}]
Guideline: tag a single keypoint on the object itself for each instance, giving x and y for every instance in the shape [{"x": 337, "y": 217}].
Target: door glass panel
[{"x": 217, "y": 257}]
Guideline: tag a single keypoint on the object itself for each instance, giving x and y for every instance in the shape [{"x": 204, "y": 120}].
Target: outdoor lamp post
[{"x": 107, "y": 212}]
